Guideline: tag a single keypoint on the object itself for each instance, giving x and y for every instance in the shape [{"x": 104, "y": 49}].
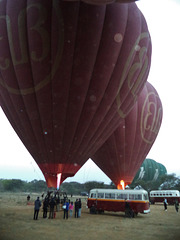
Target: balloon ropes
[{"x": 69, "y": 72}]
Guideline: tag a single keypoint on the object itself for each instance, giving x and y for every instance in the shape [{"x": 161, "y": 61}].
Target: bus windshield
[{"x": 145, "y": 197}]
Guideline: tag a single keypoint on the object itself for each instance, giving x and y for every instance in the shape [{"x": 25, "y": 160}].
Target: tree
[
  {"x": 13, "y": 185},
  {"x": 93, "y": 184},
  {"x": 112, "y": 185},
  {"x": 170, "y": 182},
  {"x": 36, "y": 186},
  {"x": 72, "y": 187}
]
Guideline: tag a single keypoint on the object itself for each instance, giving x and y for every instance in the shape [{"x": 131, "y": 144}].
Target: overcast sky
[{"x": 163, "y": 18}]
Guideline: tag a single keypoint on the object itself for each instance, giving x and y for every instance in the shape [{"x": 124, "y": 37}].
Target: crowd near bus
[
  {"x": 51, "y": 203},
  {"x": 130, "y": 201}
]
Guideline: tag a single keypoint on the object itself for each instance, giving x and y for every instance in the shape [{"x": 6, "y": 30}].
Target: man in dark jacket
[
  {"x": 45, "y": 207},
  {"x": 37, "y": 205},
  {"x": 76, "y": 208},
  {"x": 52, "y": 204}
]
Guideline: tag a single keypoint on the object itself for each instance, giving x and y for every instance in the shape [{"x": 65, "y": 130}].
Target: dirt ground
[{"x": 16, "y": 222}]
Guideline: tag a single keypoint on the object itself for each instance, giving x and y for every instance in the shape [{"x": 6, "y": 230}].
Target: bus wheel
[{"x": 93, "y": 210}]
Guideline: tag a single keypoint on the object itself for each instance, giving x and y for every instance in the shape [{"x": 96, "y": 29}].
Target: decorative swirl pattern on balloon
[
  {"x": 151, "y": 117},
  {"x": 35, "y": 57},
  {"x": 142, "y": 66}
]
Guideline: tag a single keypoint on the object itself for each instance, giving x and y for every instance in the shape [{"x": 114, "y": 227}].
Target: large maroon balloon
[
  {"x": 68, "y": 72},
  {"x": 102, "y": 1},
  {"x": 122, "y": 154}
]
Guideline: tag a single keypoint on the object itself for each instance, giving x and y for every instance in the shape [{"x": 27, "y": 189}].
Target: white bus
[
  {"x": 100, "y": 200},
  {"x": 159, "y": 195}
]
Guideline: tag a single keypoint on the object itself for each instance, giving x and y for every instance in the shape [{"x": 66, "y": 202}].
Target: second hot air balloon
[{"x": 122, "y": 154}]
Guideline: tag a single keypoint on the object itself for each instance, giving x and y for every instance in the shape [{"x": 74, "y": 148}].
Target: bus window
[
  {"x": 100, "y": 195},
  {"x": 138, "y": 197},
  {"x": 110, "y": 195},
  {"x": 131, "y": 196},
  {"x": 145, "y": 197},
  {"x": 121, "y": 196},
  {"x": 93, "y": 195},
  {"x": 113, "y": 195},
  {"x": 125, "y": 196}
]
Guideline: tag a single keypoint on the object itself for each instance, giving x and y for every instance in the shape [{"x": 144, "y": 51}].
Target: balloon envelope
[
  {"x": 102, "y": 1},
  {"x": 150, "y": 170},
  {"x": 68, "y": 71},
  {"x": 122, "y": 154}
]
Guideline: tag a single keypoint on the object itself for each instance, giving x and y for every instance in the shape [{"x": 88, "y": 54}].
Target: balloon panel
[
  {"x": 150, "y": 170},
  {"x": 102, "y": 1}
]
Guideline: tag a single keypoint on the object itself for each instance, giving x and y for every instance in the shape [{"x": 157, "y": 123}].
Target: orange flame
[
  {"x": 58, "y": 179},
  {"x": 121, "y": 185}
]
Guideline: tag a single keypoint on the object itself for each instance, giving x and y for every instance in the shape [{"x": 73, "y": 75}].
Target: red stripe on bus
[{"x": 116, "y": 200}]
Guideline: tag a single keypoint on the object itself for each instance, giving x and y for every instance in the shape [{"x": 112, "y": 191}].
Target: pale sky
[{"x": 163, "y": 18}]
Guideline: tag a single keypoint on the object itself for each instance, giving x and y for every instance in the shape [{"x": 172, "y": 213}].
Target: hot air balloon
[
  {"x": 122, "y": 154},
  {"x": 68, "y": 71},
  {"x": 150, "y": 170},
  {"x": 102, "y": 1}
]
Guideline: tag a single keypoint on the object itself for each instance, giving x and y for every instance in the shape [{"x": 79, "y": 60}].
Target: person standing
[
  {"x": 80, "y": 205},
  {"x": 66, "y": 210},
  {"x": 58, "y": 204},
  {"x": 176, "y": 205},
  {"x": 128, "y": 211},
  {"x": 165, "y": 204},
  {"x": 28, "y": 198},
  {"x": 52, "y": 203},
  {"x": 45, "y": 207},
  {"x": 71, "y": 207},
  {"x": 76, "y": 208},
  {"x": 37, "y": 205}
]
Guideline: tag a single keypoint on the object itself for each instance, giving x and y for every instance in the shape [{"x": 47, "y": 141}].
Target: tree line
[
  {"x": 17, "y": 185},
  {"x": 168, "y": 181}
]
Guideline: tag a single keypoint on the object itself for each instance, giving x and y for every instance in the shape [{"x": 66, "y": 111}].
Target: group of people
[
  {"x": 69, "y": 206},
  {"x": 52, "y": 204},
  {"x": 176, "y": 204},
  {"x": 49, "y": 203}
]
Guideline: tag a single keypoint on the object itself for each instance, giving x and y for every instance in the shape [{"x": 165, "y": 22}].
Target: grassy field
[{"x": 16, "y": 223}]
